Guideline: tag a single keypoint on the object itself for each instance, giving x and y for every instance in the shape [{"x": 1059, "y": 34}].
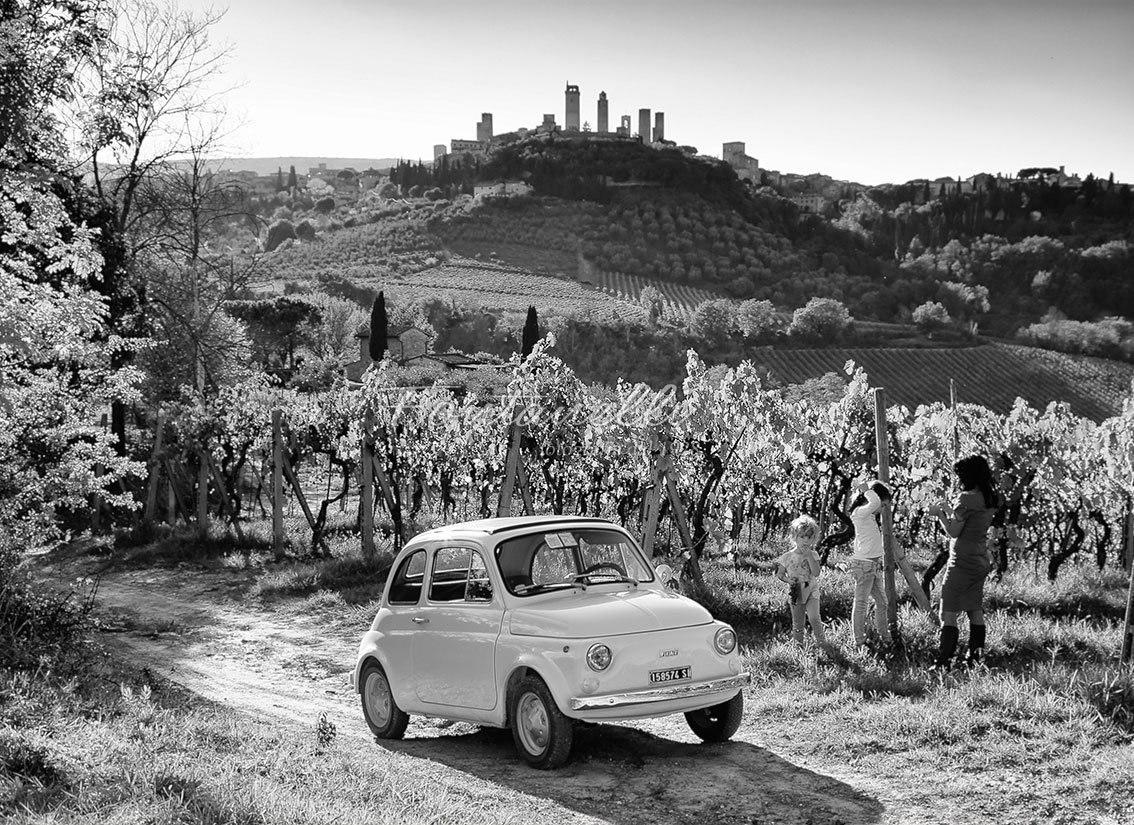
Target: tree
[
  {"x": 56, "y": 356},
  {"x": 654, "y": 303},
  {"x": 821, "y": 319},
  {"x": 931, "y": 316},
  {"x": 531, "y": 333},
  {"x": 147, "y": 97},
  {"x": 379, "y": 328},
  {"x": 756, "y": 318},
  {"x": 713, "y": 321},
  {"x": 292, "y": 180}
]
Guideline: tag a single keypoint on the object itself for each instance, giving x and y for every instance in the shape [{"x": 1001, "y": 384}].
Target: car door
[{"x": 454, "y": 643}]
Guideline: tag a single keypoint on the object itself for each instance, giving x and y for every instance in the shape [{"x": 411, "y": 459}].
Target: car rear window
[{"x": 406, "y": 585}]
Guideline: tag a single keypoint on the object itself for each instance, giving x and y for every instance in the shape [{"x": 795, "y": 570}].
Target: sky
[{"x": 871, "y": 91}]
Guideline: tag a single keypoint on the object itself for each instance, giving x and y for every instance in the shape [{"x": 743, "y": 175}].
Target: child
[
  {"x": 866, "y": 562},
  {"x": 800, "y": 569}
]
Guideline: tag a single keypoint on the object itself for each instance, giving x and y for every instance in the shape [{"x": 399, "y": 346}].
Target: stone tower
[
  {"x": 603, "y": 114},
  {"x": 572, "y": 122},
  {"x": 644, "y": 125},
  {"x": 484, "y": 128},
  {"x": 659, "y": 126}
]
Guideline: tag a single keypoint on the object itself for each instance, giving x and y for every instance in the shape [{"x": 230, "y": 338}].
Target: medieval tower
[
  {"x": 659, "y": 126},
  {"x": 484, "y": 128},
  {"x": 572, "y": 124},
  {"x": 603, "y": 114},
  {"x": 644, "y": 125}
]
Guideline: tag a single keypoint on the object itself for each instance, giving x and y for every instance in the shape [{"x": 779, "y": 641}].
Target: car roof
[{"x": 495, "y": 526}]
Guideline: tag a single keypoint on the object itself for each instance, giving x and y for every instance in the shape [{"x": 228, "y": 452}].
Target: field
[
  {"x": 680, "y": 299},
  {"x": 500, "y": 287},
  {"x": 992, "y": 375}
]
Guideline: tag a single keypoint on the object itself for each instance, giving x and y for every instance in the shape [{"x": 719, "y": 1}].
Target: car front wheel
[
  {"x": 543, "y": 735},
  {"x": 719, "y": 722},
  {"x": 384, "y": 717}
]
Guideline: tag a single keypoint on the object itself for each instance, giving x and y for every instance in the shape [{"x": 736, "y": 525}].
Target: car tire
[
  {"x": 543, "y": 735},
  {"x": 384, "y": 717},
  {"x": 719, "y": 722}
]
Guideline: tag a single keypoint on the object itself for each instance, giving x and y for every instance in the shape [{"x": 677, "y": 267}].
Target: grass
[{"x": 137, "y": 753}]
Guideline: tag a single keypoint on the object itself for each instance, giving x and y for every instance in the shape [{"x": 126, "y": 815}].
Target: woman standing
[
  {"x": 967, "y": 524},
  {"x": 866, "y": 562}
]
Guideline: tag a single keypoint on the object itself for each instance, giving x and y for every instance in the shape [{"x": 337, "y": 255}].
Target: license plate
[{"x": 673, "y": 674}]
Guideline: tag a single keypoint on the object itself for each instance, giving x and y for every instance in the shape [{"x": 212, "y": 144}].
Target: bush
[
  {"x": 325, "y": 206},
  {"x": 305, "y": 231},
  {"x": 39, "y": 627},
  {"x": 280, "y": 231}
]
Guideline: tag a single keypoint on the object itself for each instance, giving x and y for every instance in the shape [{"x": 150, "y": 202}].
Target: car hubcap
[
  {"x": 378, "y": 699},
  {"x": 532, "y": 723}
]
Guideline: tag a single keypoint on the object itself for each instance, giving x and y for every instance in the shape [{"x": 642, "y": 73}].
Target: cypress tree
[
  {"x": 292, "y": 180},
  {"x": 378, "y": 328},
  {"x": 531, "y": 333}
]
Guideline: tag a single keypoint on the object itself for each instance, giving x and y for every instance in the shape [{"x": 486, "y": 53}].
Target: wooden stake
[
  {"x": 1128, "y": 628},
  {"x": 366, "y": 493},
  {"x": 277, "y": 485},
  {"x": 892, "y": 553},
  {"x": 653, "y": 497},
  {"x": 511, "y": 467}
]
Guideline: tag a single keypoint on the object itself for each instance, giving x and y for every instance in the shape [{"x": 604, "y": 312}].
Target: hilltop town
[{"x": 814, "y": 193}]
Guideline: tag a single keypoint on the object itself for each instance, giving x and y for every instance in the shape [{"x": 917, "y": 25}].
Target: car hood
[{"x": 578, "y": 615}]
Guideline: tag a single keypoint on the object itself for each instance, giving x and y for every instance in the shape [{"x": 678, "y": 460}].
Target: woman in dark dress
[{"x": 970, "y": 561}]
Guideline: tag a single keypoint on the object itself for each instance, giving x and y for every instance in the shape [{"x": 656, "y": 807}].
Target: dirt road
[{"x": 195, "y": 629}]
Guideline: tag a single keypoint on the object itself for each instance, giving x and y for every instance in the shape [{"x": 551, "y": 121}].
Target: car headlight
[
  {"x": 598, "y": 657},
  {"x": 725, "y": 641}
]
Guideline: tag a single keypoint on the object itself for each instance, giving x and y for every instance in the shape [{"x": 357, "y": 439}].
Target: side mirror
[{"x": 664, "y": 573}]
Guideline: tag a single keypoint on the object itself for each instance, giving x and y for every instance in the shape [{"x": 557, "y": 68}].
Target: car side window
[
  {"x": 480, "y": 586},
  {"x": 406, "y": 586},
  {"x": 450, "y": 574}
]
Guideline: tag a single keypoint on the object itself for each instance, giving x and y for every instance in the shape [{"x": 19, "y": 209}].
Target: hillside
[{"x": 992, "y": 375}]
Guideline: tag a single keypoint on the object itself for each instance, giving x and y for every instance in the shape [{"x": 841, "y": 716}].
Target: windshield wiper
[{"x": 528, "y": 589}]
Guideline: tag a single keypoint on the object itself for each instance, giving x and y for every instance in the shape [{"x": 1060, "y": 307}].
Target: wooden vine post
[
  {"x": 1128, "y": 556},
  {"x": 366, "y": 487},
  {"x": 882, "y": 440},
  {"x": 511, "y": 469},
  {"x": 654, "y": 495},
  {"x": 892, "y": 553},
  {"x": 277, "y": 485}
]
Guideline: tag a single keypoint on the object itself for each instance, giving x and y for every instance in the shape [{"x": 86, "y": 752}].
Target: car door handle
[{"x": 420, "y": 620}]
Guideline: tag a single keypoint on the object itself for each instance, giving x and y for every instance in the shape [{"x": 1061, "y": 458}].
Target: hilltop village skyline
[{"x": 812, "y": 192}]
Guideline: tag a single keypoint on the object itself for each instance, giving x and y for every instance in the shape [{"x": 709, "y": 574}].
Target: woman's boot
[
  {"x": 949, "y": 635},
  {"x": 976, "y": 643}
]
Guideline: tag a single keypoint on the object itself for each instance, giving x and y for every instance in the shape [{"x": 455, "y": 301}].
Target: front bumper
[{"x": 662, "y": 694}]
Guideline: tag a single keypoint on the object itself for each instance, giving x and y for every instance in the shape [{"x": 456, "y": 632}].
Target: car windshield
[{"x": 560, "y": 559}]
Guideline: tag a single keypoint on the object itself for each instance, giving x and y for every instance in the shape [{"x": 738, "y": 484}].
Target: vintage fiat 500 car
[{"x": 532, "y": 623}]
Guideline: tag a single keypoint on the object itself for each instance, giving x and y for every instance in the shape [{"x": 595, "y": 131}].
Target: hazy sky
[{"x": 864, "y": 90}]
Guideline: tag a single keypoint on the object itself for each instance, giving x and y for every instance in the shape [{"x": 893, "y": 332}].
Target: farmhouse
[{"x": 407, "y": 347}]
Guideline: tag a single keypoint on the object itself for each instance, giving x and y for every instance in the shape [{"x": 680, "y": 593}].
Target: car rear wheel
[
  {"x": 384, "y": 717},
  {"x": 718, "y": 722},
  {"x": 543, "y": 735}
]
